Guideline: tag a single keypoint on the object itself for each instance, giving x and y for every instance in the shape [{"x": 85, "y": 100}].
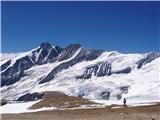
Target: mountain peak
[{"x": 45, "y": 45}]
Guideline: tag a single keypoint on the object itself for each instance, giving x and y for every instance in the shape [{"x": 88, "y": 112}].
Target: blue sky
[{"x": 121, "y": 26}]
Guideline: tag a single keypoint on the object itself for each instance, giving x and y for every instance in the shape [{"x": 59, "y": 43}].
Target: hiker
[{"x": 124, "y": 101}]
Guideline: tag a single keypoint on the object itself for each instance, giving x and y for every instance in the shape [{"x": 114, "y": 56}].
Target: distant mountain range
[{"x": 77, "y": 71}]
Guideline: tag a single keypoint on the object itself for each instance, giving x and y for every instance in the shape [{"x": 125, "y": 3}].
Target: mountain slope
[
  {"x": 77, "y": 71},
  {"x": 13, "y": 69}
]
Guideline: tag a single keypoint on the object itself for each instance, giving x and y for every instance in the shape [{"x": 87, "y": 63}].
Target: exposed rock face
[
  {"x": 82, "y": 55},
  {"x": 149, "y": 57},
  {"x": 88, "y": 54},
  {"x": 5, "y": 65},
  {"x": 105, "y": 95},
  {"x": 13, "y": 73},
  {"x": 45, "y": 53},
  {"x": 69, "y": 51},
  {"x": 100, "y": 69}
]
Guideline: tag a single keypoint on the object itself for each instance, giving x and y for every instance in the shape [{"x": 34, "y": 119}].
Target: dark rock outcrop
[
  {"x": 105, "y": 95},
  {"x": 100, "y": 69},
  {"x": 5, "y": 65},
  {"x": 13, "y": 73},
  {"x": 45, "y": 53},
  {"x": 69, "y": 51},
  {"x": 149, "y": 57},
  {"x": 88, "y": 54}
]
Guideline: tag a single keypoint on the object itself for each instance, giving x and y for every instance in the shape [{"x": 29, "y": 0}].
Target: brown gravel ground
[{"x": 151, "y": 112}]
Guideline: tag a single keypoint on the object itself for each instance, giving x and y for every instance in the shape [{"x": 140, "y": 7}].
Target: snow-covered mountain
[{"x": 77, "y": 71}]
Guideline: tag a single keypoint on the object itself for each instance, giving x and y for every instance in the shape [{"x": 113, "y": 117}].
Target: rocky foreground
[{"x": 151, "y": 112}]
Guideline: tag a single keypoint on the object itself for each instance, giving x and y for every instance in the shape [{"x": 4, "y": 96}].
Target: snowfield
[{"x": 21, "y": 108}]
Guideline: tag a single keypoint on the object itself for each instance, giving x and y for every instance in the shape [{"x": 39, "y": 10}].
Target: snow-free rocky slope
[{"x": 77, "y": 71}]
